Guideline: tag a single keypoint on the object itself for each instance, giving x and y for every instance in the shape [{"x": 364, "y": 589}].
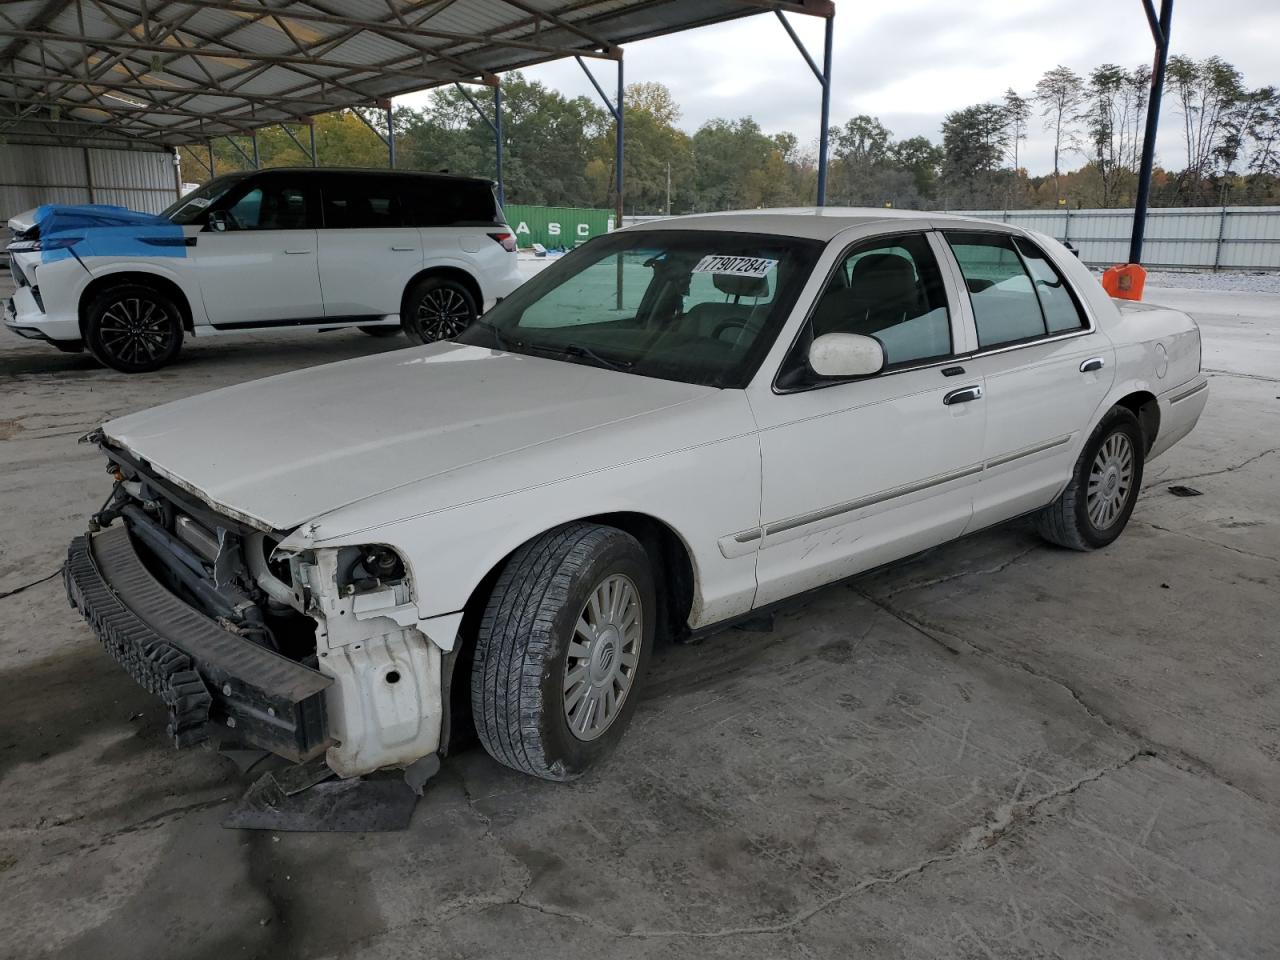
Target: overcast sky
[{"x": 912, "y": 61}]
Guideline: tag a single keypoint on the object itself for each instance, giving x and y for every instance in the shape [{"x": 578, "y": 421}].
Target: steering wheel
[{"x": 724, "y": 325}]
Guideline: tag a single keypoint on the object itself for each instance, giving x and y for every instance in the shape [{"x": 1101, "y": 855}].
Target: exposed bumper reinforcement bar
[{"x": 202, "y": 672}]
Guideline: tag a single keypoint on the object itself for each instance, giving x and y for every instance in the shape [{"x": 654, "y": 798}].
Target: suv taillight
[{"x": 507, "y": 239}]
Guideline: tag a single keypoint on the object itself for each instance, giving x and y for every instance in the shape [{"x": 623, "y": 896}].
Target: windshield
[
  {"x": 697, "y": 306},
  {"x": 188, "y": 209}
]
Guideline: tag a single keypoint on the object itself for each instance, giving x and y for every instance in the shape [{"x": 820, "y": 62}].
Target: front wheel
[
  {"x": 1096, "y": 505},
  {"x": 437, "y": 308},
  {"x": 561, "y": 650},
  {"x": 133, "y": 328}
]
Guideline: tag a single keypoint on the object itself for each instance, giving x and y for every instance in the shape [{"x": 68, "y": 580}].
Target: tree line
[{"x": 560, "y": 150}]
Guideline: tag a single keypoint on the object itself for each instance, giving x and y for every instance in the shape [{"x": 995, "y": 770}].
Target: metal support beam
[
  {"x": 240, "y": 150},
  {"x": 495, "y": 125},
  {"x": 213, "y": 171},
  {"x": 310, "y": 154},
  {"x": 619, "y": 153},
  {"x": 1160, "y": 26},
  {"x": 824, "y": 78},
  {"x": 391, "y": 137},
  {"x": 257, "y": 156},
  {"x": 497, "y": 143}
]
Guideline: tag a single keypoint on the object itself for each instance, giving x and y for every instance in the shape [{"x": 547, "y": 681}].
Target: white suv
[{"x": 289, "y": 248}]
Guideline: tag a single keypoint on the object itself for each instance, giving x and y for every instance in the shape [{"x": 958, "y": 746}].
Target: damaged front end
[{"x": 301, "y": 653}]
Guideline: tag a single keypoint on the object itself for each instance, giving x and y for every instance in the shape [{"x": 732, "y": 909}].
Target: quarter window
[
  {"x": 1016, "y": 293},
  {"x": 889, "y": 289}
]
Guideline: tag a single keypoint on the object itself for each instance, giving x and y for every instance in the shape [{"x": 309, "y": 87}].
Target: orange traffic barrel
[{"x": 1125, "y": 281}]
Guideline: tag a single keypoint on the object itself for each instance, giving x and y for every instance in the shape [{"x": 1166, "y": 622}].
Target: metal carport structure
[{"x": 165, "y": 73}]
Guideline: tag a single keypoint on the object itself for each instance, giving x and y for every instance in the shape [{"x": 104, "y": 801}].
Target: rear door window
[
  {"x": 364, "y": 202},
  {"x": 1016, "y": 293}
]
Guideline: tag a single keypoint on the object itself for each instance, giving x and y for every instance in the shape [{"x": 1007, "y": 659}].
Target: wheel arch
[
  {"x": 675, "y": 580},
  {"x": 457, "y": 274},
  {"x": 164, "y": 284}
]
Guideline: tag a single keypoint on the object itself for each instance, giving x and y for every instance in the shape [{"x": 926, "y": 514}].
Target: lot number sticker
[{"x": 735, "y": 266}]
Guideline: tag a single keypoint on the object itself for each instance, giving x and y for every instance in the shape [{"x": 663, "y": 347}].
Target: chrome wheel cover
[
  {"x": 442, "y": 314},
  {"x": 603, "y": 655},
  {"x": 135, "y": 330},
  {"x": 1110, "y": 481}
]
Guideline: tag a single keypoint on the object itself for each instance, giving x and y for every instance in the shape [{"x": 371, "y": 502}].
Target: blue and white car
[{"x": 262, "y": 250}]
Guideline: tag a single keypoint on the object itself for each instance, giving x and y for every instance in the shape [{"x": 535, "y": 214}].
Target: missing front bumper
[{"x": 203, "y": 673}]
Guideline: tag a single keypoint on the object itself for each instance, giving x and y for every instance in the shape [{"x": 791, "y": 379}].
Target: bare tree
[
  {"x": 1208, "y": 93},
  {"x": 1113, "y": 113},
  {"x": 1060, "y": 93}
]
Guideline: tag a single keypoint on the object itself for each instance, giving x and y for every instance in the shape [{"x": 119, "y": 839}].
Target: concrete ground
[{"x": 999, "y": 749}]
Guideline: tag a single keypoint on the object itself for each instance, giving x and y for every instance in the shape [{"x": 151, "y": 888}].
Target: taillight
[{"x": 507, "y": 239}]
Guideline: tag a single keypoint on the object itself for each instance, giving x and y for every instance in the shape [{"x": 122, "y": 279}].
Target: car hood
[{"x": 284, "y": 450}]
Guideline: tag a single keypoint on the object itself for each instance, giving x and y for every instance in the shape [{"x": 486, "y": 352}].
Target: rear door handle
[
  {"x": 963, "y": 395},
  {"x": 294, "y": 253},
  {"x": 1093, "y": 363},
  {"x": 405, "y": 249}
]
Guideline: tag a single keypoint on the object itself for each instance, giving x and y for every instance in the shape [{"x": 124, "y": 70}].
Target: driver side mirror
[
  {"x": 846, "y": 355},
  {"x": 219, "y": 221}
]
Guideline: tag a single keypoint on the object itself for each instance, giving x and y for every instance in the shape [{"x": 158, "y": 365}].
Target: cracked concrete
[{"x": 997, "y": 749}]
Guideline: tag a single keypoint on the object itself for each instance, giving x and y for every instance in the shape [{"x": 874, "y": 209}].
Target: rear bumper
[
  {"x": 1180, "y": 409},
  {"x": 203, "y": 673}
]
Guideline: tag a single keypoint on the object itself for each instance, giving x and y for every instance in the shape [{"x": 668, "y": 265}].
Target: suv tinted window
[
  {"x": 444, "y": 203},
  {"x": 274, "y": 203},
  {"x": 1013, "y": 298},
  {"x": 355, "y": 201},
  {"x": 890, "y": 289}
]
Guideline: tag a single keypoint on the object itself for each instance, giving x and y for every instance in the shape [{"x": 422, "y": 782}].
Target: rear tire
[
  {"x": 1096, "y": 505},
  {"x": 133, "y": 328},
  {"x": 562, "y": 648},
  {"x": 437, "y": 308},
  {"x": 381, "y": 331}
]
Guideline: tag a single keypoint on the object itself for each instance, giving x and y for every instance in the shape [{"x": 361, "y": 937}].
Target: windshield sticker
[
  {"x": 200, "y": 202},
  {"x": 736, "y": 266}
]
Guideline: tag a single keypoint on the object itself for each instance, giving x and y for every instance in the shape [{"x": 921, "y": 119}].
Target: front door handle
[
  {"x": 404, "y": 249},
  {"x": 963, "y": 395},
  {"x": 1093, "y": 363},
  {"x": 294, "y": 253}
]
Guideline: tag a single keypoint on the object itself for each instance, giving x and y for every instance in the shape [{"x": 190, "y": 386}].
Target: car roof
[
  {"x": 380, "y": 171},
  {"x": 818, "y": 223}
]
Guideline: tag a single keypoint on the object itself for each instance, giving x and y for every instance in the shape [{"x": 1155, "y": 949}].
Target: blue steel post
[
  {"x": 391, "y": 138},
  {"x": 823, "y": 135},
  {"x": 619, "y": 156},
  {"x": 1160, "y": 32},
  {"x": 497, "y": 141}
]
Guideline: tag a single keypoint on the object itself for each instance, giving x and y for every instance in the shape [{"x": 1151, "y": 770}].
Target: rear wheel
[
  {"x": 133, "y": 328},
  {"x": 562, "y": 647},
  {"x": 437, "y": 308},
  {"x": 1097, "y": 503}
]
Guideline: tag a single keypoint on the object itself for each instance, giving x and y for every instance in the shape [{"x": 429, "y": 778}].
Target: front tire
[
  {"x": 437, "y": 308},
  {"x": 1096, "y": 505},
  {"x": 562, "y": 647},
  {"x": 133, "y": 328}
]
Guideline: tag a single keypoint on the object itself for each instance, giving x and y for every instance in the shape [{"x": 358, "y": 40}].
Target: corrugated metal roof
[{"x": 167, "y": 72}]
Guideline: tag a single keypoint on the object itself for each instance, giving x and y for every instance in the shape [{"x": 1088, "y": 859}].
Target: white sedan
[{"x": 676, "y": 425}]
